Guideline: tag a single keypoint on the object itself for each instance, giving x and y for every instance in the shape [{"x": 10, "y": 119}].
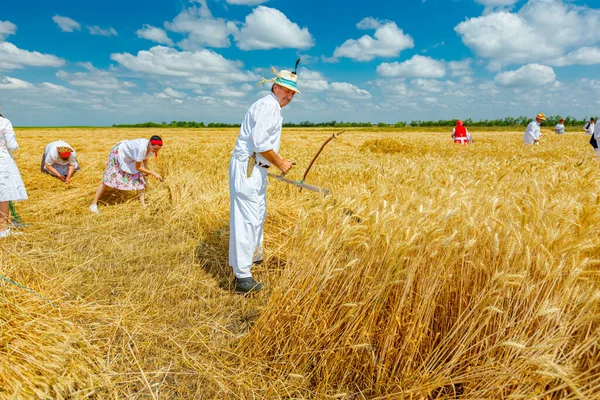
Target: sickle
[{"x": 329, "y": 139}]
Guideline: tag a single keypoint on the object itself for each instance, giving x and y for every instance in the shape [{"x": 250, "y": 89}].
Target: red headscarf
[{"x": 459, "y": 123}]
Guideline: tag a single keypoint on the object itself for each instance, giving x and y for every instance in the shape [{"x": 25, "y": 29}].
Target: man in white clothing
[
  {"x": 560, "y": 127},
  {"x": 532, "y": 133},
  {"x": 589, "y": 127},
  {"x": 255, "y": 151}
]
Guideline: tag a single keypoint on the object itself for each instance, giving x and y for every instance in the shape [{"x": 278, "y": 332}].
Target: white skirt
[{"x": 11, "y": 184}]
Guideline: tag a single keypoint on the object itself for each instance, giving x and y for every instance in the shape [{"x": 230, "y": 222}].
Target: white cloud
[
  {"x": 246, "y": 2},
  {"x": 460, "y": 68},
  {"x": 387, "y": 41},
  {"x": 55, "y": 88},
  {"x": 12, "y": 57},
  {"x": 229, "y": 92},
  {"x": 527, "y": 75},
  {"x": 348, "y": 90},
  {"x": 582, "y": 56},
  {"x": 66, "y": 24},
  {"x": 8, "y": 83},
  {"x": 267, "y": 28},
  {"x": 96, "y": 30},
  {"x": 154, "y": 34},
  {"x": 7, "y": 28},
  {"x": 202, "y": 29},
  {"x": 428, "y": 85},
  {"x": 95, "y": 79},
  {"x": 417, "y": 67},
  {"x": 543, "y": 31},
  {"x": 311, "y": 81},
  {"x": 170, "y": 93},
  {"x": 203, "y": 67}
]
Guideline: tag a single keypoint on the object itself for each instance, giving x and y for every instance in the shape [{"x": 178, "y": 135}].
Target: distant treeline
[{"x": 508, "y": 121}]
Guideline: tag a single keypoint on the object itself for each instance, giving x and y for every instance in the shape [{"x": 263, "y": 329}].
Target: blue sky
[{"x": 77, "y": 63}]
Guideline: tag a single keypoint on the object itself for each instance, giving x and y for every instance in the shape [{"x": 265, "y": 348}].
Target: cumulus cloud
[
  {"x": 8, "y": 83},
  {"x": 527, "y": 75},
  {"x": 7, "y": 28},
  {"x": 96, "y": 30},
  {"x": 170, "y": 93},
  {"x": 543, "y": 31},
  {"x": 460, "y": 68},
  {"x": 54, "y": 88},
  {"x": 349, "y": 90},
  {"x": 201, "y": 28},
  {"x": 66, "y": 24},
  {"x": 583, "y": 56},
  {"x": 154, "y": 34},
  {"x": 387, "y": 41},
  {"x": 267, "y": 28},
  {"x": 203, "y": 67},
  {"x": 227, "y": 91},
  {"x": 94, "y": 80},
  {"x": 417, "y": 67},
  {"x": 12, "y": 57},
  {"x": 311, "y": 81},
  {"x": 428, "y": 85}
]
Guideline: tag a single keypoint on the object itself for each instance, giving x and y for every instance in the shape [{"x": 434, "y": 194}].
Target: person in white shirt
[
  {"x": 596, "y": 135},
  {"x": 589, "y": 127},
  {"x": 532, "y": 133},
  {"x": 11, "y": 184},
  {"x": 559, "y": 129},
  {"x": 255, "y": 151},
  {"x": 126, "y": 167},
  {"x": 60, "y": 161}
]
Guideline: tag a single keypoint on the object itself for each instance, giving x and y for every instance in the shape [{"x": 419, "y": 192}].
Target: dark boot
[{"x": 247, "y": 285}]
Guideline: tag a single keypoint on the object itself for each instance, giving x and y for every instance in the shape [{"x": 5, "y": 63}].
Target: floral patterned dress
[{"x": 116, "y": 178}]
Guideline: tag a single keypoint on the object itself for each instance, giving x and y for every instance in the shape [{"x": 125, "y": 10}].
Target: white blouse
[
  {"x": 52, "y": 156},
  {"x": 132, "y": 151}
]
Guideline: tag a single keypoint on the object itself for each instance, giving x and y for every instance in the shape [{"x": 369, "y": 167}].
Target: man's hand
[{"x": 285, "y": 166}]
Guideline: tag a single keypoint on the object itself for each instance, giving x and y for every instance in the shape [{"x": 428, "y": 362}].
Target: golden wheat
[{"x": 434, "y": 271}]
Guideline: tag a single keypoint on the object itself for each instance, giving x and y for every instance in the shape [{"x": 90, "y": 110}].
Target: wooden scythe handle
[{"x": 329, "y": 139}]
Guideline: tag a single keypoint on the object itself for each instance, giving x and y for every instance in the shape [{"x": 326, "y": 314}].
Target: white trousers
[{"x": 247, "y": 214}]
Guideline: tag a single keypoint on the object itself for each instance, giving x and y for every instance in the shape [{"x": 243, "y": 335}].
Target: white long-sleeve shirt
[
  {"x": 589, "y": 128},
  {"x": 559, "y": 129},
  {"x": 260, "y": 130},
  {"x": 8, "y": 140},
  {"x": 52, "y": 156},
  {"x": 597, "y": 132},
  {"x": 532, "y": 133}
]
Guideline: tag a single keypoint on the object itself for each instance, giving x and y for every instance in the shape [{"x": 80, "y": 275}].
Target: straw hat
[
  {"x": 541, "y": 116},
  {"x": 288, "y": 80},
  {"x": 285, "y": 78}
]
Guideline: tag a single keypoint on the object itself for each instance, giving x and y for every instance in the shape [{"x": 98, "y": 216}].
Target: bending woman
[
  {"x": 60, "y": 161},
  {"x": 11, "y": 184},
  {"x": 126, "y": 167}
]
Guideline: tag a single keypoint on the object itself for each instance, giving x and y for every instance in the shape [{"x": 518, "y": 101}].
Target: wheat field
[{"x": 434, "y": 271}]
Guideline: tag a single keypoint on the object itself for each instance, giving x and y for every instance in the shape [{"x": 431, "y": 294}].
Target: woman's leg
[
  {"x": 4, "y": 215},
  {"x": 142, "y": 197},
  {"x": 99, "y": 193}
]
